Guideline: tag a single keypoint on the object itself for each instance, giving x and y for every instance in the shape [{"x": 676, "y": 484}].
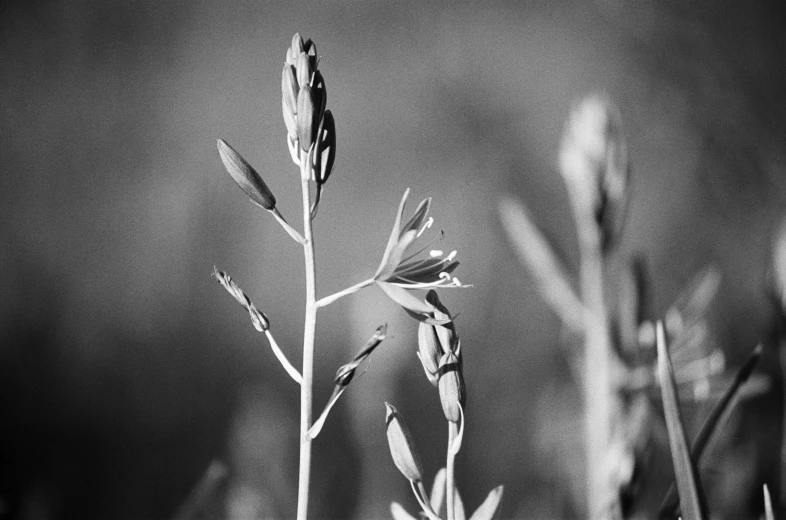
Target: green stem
[
  {"x": 306, "y": 395},
  {"x": 450, "y": 486},
  {"x": 600, "y": 406},
  {"x": 327, "y": 300}
]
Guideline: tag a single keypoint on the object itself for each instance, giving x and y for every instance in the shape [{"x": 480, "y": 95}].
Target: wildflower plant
[
  {"x": 405, "y": 269},
  {"x": 625, "y": 354}
]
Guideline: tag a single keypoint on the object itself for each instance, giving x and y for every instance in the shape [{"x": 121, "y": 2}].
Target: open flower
[{"x": 401, "y": 271}]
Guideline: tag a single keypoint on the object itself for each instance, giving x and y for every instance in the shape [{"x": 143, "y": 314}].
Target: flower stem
[
  {"x": 450, "y": 486},
  {"x": 601, "y": 410},
  {"x": 308, "y": 344},
  {"x": 327, "y": 300}
]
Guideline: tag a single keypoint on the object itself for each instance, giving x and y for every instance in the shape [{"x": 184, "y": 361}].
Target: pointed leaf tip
[
  {"x": 692, "y": 500},
  {"x": 489, "y": 506}
]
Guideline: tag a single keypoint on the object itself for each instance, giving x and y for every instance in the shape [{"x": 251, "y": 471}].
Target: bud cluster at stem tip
[
  {"x": 310, "y": 128},
  {"x": 439, "y": 350}
]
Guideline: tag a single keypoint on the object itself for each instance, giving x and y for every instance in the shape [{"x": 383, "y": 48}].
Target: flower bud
[
  {"x": 289, "y": 91},
  {"x": 246, "y": 176},
  {"x": 304, "y": 70},
  {"x": 429, "y": 351},
  {"x": 451, "y": 387},
  {"x": 310, "y": 49},
  {"x": 325, "y": 154},
  {"x": 296, "y": 47},
  {"x": 306, "y": 117},
  {"x": 402, "y": 448},
  {"x": 320, "y": 94}
]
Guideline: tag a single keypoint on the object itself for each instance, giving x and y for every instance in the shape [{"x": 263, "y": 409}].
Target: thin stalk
[
  {"x": 327, "y": 300},
  {"x": 600, "y": 409},
  {"x": 450, "y": 485},
  {"x": 309, "y": 331}
]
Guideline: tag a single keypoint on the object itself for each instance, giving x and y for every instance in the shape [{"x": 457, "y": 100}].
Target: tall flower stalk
[{"x": 311, "y": 140}]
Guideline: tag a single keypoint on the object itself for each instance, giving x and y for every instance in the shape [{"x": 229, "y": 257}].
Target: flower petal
[
  {"x": 405, "y": 298},
  {"x": 393, "y": 240}
]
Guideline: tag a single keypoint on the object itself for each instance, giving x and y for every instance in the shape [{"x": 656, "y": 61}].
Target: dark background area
[{"x": 125, "y": 368}]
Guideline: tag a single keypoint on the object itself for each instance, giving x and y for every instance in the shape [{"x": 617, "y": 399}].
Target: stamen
[
  {"x": 456, "y": 281},
  {"x": 435, "y": 253},
  {"x": 444, "y": 275},
  {"x": 427, "y": 225},
  {"x": 451, "y": 256}
]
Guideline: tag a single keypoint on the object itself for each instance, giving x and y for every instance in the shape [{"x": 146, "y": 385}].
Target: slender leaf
[
  {"x": 489, "y": 506},
  {"x": 768, "y": 514},
  {"x": 688, "y": 482},
  {"x": 719, "y": 413},
  {"x": 535, "y": 252}
]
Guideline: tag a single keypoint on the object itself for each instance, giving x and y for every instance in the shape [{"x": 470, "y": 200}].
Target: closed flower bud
[
  {"x": 306, "y": 117},
  {"x": 429, "y": 351},
  {"x": 325, "y": 154},
  {"x": 246, "y": 176},
  {"x": 289, "y": 91},
  {"x": 320, "y": 94},
  {"x": 402, "y": 448},
  {"x": 304, "y": 69},
  {"x": 310, "y": 49},
  {"x": 297, "y": 47},
  {"x": 451, "y": 387}
]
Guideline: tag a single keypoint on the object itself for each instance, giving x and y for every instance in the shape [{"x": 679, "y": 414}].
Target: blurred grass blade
[
  {"x": 716, "y": 417},
  {"x": 489, "y": 506},
  {"x": 688, "y": 483},
  {"x": 535, "y": 252},
  {"x": 768, "y": 514}
]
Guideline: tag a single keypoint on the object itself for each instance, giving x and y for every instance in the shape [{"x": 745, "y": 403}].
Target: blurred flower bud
[
  {"x": 593, "y": 162},
  {"x": 451, "y": 387},
  {"x": 246, "y": 177},
  {"x": 429, "y": 351},
  {"x": 402, "y": 448},
  {"x": 304, "y": 70},
  {"x": 325, "y": 154},
  {"x": 289, "y": 91},
  {"x": 306, "y": 117}
]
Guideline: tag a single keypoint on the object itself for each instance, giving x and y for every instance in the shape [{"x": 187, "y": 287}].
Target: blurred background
[{"x": 125, "y": 369}]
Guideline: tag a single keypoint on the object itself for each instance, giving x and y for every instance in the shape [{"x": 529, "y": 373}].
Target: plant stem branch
[
  {"x": 327, "y": 300},
  {"x": 308, "y": 343},
  {"x": 450, "y": 485}
]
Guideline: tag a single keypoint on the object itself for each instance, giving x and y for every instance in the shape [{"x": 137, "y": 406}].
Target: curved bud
[
  {"x": 452, "y": 394},
  {"x": 402, "y": 448},
  {"x": 246, "y": 176},
  {"x": 290, "y": 121},
  {"x": 304, "y": 70},
  {"x": 326, "y": 148},
  {"x": 429, "y": 351},
  {"x": 306, "y": 115}
]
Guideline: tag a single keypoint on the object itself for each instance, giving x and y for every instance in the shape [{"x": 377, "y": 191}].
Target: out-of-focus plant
[
  {"x": 403, "y": 270},
  {"x": 620, "y": 365}
]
